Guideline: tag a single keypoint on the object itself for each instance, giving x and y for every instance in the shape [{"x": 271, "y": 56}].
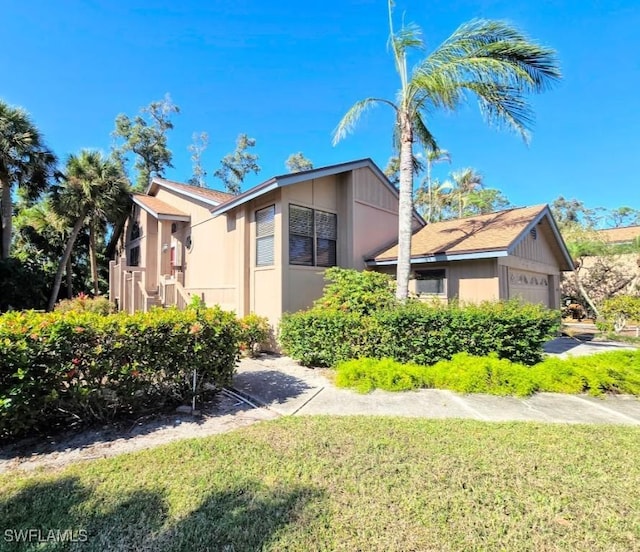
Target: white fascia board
[
  {"x": 245, "y": 198},
  {"x": 443, "y": 257},
  {"x": 197, "y": 197}
]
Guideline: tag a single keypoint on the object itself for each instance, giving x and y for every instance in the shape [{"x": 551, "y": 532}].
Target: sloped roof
[
  {"x": 482, "y": 236},
  {"x": 212, "y": 197},
  {"x": 159, "y": 208},
  {"x": 620, "y": 235},
  {"x": 302, "y": 176}
]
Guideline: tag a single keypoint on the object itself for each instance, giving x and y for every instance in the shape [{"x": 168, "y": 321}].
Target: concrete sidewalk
[{"x": 289, "y": 389}]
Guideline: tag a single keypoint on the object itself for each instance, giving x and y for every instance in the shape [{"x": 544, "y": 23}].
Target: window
[
  {"x": 265, "y": 229},
  {"x": 134, "y": 256},
  {"x": 430, "y": 281},
  {"x": 136, "y": 231},
  {"x": 312, "y": 237}
]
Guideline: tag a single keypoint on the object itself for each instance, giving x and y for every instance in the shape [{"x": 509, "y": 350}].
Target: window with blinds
[
  {"x": 265, "y": 230},
  {"x": 312, "y": 237},
  {"x": 431, "y": 282}
]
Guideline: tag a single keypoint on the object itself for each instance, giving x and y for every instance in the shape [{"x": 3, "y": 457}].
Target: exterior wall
[
  {"x": 301, "y": 285},
  {"x": 209, "y": 268},
  {"x": 533, "y": 272},
  {"x": 375, "y": 216},
  {"x": 468, "y": 281},
  {"x": 264, "y": 290}
]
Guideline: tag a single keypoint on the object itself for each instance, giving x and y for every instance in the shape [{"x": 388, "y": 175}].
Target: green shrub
[
  {"x": 355, "y": 291},
  {"x": 419, "y": 333},
  {"x": 84, "y": 303},
  {"x": 618, "y": 311},
  {"x": 254, "y": 331},
  {"x": 60, "y": 369},
  {"x": 611, "y": 372},
  {"x": 320, "y": 338}
]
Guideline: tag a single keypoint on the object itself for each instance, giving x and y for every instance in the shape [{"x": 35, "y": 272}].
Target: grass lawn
[{"x": 359, "y": 483}]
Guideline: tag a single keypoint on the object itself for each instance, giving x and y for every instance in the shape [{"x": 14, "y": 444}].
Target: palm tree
[
  {"x": 434, "y": 156},
  {"x": 492, "y": 60},
  {"x": 24, "y": 162},
  {"x": 466, "y": 182},
  {"x": 94, "y": 190}
]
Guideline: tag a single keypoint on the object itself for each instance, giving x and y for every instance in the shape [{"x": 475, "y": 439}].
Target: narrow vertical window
[
  {"x": 265, "y": 230},
  {"x": 326, "y": 236}
]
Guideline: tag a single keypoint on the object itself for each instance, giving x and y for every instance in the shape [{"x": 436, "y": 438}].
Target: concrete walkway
[{"x": 289, "y": 389}]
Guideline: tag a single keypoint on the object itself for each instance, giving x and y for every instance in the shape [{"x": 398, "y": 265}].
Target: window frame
[
  {"x": 422, "y": 272},
  {"x": 261, "y": 238},
  {"x": 314, "y": 237}
]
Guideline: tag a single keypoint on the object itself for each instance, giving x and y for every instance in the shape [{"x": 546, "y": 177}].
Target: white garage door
[{"x": 532, "y": 287}]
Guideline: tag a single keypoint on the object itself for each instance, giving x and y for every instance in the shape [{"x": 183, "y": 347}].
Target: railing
[
  {"x": 182, "y": 296},
  {"x": 172, "y": 293}
]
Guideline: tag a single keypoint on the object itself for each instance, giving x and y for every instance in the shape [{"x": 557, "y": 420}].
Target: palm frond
[
  {"x": 351, "y": 117},
  {"x": 423, "y": 134}
]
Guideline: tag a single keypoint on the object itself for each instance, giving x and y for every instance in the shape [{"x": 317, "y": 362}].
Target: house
[
  {"x": 625, "y": 235},
  {"x": 263, "y": 251},
  {"x": 512, "y": 253}
]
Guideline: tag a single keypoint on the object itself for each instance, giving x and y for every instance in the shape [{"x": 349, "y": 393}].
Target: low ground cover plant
[
  {"x": 346, "y": 483},
  {"x": 66, "y": 368},
  {"x": 611, "y": 372},
  {"x": 359, "y": 317}
]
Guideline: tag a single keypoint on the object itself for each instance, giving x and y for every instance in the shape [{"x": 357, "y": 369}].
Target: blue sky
[{"x": 285, "y": 73}]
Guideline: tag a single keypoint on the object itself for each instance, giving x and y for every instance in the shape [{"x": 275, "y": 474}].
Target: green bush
[
  {"x": 611, "y": 372},
  {"x": 361, "y": 292},
  {"x": 618, "y": 311},
  {"x": 60, "y": 369},
  {"x": 419, "y": 333},
  {"x": 254, "y": 331},
  {"x": 84, "y": 303}
]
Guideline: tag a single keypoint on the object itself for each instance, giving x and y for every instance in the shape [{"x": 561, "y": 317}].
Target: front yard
[{"x": 331, "y": 483}]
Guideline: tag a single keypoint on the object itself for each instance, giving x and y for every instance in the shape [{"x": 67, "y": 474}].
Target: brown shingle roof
[
  {"x": 157, "y": 206},
  {"x": 620, "y": 235},
  {"x": 493, "y": 232},
  {"x": 206, "y": 193}
]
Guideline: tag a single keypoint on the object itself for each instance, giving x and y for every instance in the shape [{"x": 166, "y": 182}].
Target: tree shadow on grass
[{"x": 247, "y": 516}]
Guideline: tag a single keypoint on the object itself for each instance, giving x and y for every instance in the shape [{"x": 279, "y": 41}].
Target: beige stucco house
[
  {"x": 512, "y": 253},
  {"x": 264, "y": 251}
]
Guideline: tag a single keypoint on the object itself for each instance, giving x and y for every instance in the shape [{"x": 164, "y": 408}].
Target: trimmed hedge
[
  {"x": 419, "y": 333},
  {"x": 61, "y": 369}
]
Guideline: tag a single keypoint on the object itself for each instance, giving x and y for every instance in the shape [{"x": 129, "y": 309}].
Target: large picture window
[
  {"x": 431, "y": 282},
  {"x": 265, "y": 230},
  {"x": 312, "y": 237}
]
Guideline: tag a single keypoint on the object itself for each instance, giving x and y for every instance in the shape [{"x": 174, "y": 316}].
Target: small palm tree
[
  {"x": 490, "y": 59},
  {"x": 94, "y": 190},
  {"x": 466, "y": 182},
  {"x": 24, "y": 162}
]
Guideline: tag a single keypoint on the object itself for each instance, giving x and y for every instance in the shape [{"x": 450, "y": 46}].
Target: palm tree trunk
[
  {"x": 63, "y": 261},
  {"x": 93, "y": 261},
  {"x": 69, "y": 274},
  {"x": 6, "y": 213},
  {"x": 405, "y": 209}
]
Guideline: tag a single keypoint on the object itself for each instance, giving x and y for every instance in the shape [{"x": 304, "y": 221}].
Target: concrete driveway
[{"x": 288, "y": 389}]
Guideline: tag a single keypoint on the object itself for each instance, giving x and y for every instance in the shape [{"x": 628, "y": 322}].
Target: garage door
[{"x": 532, "y": 287}]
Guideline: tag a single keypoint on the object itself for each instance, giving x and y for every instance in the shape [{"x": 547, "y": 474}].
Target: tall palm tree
[
  {"x": 434, "y": 156},
  {"x": 94, "y": 189},
  {"x": 466, "y": 182},
  {"x": 24, "y": 162},
  {"x": 492, "y": 60}
]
